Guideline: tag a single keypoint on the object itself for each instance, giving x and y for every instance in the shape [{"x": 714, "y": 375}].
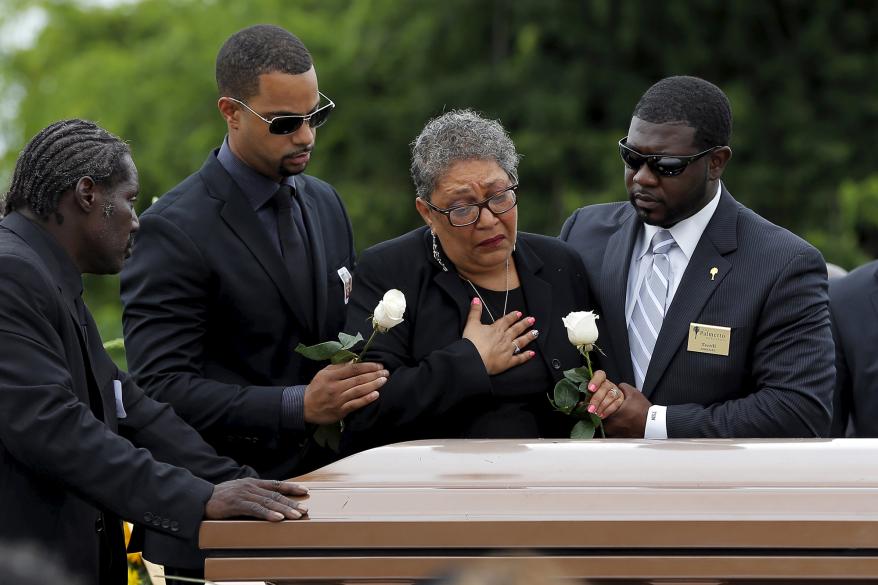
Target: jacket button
[
  {"x": 175, "y": 526},
  {"x": 156, "y": 521},
  {"x": 147, "y": 517},
  {"x": 556, "y": 363},
  {"x": 99, "y": 525},
  {"x": 166, "y": 523}
]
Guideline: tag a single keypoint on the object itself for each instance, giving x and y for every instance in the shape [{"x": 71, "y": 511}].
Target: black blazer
[
  {"x": 211, "y": 319},
  {"x": 70, "y": 466},
  {"x": 435, "y": 375},
  {"x": 770, "y": 288},
  {"x": 853, "y": 301}
]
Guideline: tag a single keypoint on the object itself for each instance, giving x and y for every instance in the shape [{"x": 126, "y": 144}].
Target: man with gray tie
[{"x": 718, "y": 317}]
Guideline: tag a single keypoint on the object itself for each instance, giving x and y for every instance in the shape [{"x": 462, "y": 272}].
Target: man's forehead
[{"x": 660, "y": 137}]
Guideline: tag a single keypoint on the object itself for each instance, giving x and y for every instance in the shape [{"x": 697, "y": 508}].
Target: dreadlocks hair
[
  {"x": 698, "y": 103},
  {"x": 254, "y": 51},
  {"x": 56, "y": 159}
]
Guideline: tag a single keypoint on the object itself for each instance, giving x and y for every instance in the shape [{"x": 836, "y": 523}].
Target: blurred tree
[{"x": 562, "y": 75}]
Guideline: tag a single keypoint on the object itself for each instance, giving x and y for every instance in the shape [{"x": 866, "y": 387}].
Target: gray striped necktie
[{"x": 650, "y": 305}]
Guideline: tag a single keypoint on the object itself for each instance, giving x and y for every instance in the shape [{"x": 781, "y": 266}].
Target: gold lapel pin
[{"x": 713, "y": 272}]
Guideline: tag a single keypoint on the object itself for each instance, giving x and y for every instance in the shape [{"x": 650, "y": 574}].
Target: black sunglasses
[
  {"x": 292, "y": 122},
  {"x": 666, "y": 165}
]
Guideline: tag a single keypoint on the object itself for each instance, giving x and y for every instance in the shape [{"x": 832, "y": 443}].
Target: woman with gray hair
[{"x": 482, "y": 343}]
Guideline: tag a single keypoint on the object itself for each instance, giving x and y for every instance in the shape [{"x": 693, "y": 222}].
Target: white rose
[
  {"x": 581, "y": 328},
  {"x": 388, "y": 313}
]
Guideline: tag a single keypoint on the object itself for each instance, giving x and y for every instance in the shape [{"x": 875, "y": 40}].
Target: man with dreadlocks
[{"x": 81, "y": 446}]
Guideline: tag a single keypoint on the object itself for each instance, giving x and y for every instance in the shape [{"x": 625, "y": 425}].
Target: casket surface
[{"x": 682, "y": 511}]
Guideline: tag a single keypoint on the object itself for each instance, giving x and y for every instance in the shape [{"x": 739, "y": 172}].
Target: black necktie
[{"x": 294, "y": 247}]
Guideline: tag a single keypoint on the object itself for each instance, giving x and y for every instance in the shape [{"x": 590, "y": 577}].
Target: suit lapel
[
  {"x": 242, "y": 220},
  {"x": 695, "y": 288},
  {"x": 537, "y": 293},
  {"x": 612, "y": 290},
  {"x": 318, "y": 258}
]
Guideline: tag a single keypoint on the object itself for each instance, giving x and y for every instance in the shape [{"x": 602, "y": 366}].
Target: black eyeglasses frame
[{"x": 486, "y": 203}]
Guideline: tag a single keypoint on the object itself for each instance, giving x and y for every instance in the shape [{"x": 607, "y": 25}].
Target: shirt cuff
[
  {"x": 656, "y": 425},
  {"x": 292, "y": 409}
]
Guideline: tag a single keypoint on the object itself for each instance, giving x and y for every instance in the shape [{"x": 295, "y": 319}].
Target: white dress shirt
[{"x": 686, "y": 234}]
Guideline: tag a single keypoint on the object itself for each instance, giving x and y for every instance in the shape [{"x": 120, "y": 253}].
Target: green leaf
[
  {"x": 328, "y": 436},
  {"x": 320, "y": 352},
  {"x": 343, "y": 356},
  {"x": 348, "y": 341},
  {"x": 577, "y": 375},
  {"x": 583, "y": 429},
  {"x": 566, "y": 395},
  {"x": 581, "y": 410}
]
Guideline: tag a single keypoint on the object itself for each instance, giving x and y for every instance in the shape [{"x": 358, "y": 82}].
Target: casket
[{"x": 602, "y": 511}]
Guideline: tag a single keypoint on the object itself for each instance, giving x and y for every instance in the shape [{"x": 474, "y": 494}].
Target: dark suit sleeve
[
  {"x": 165, "y": 292},
  {"x": 568, "y": 226},
  {"x": 417, "y": 390},
  {"x": 842, "y": 398},
  {"x": 792, "y": 366},
  {"x": 156, "y": 427},
  {"x": 50, "y": 431}
]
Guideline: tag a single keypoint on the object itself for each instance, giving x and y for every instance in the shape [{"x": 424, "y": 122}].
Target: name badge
[
  {"x": 120, "y": 408},
  {"x": 347, "y": 281},
  {"x": 711, "y": 339}
]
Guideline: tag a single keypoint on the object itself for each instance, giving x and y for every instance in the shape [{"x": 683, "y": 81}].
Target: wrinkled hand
[
  {"x": 604, "y": 401},
  {"x": 259, "y": 498},
  {"x": 496, "y": 342},
  {"x": 339, "y": 389},
  {"x": 630, "y": 420}
]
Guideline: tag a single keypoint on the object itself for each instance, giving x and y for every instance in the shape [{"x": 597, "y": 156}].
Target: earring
[{"x": 436, "y": 252}]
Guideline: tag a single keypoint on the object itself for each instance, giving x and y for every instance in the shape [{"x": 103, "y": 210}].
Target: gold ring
[{"x": 516, "y": 350}]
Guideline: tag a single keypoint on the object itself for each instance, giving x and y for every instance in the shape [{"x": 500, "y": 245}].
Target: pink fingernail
[
  {"x": 518, "y": 314},
  {"x": 531, "y": 320},
  {"x": 591, "y": 408},
  {"x": 477, "y": 302},
  {"x": 592, "y": 387},
  {"x": 532, "y": 353}
]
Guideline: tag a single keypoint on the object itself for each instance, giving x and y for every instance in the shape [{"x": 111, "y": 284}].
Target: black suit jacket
[
  {"x": 853, "y": 302},
  {"x": 70, "y": 467},
  {"x": 211, "y": 319},
  {"x": 435, "y": 375},
  {"x": 771, "y": 290}
]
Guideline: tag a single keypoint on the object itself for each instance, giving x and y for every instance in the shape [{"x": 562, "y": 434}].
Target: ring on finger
[
  {"x": 515, "y": 349},
  {"x": 615, "y": 393}
]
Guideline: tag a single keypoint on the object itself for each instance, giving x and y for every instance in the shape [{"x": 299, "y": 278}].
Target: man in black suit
[
  {"x": 242, "y": 261},
  {"x": 81, "y": 446},
  {"x": 719, "y": 317},
  {"x": 853, "y": 302}
]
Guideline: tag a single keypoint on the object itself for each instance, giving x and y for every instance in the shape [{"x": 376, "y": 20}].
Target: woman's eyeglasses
[
  {"x": 463, "y": 215},
  {"x": 290, "y": 123},
  {"x": 666, "y": 165}
]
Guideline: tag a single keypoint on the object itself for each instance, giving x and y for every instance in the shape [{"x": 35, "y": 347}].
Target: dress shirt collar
[
  {"x": 257, "y": 188},
  {"x": 686, "y": 233}
]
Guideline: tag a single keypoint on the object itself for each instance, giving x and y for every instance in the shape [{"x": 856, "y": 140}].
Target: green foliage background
[{"x": 562, "y": 75}]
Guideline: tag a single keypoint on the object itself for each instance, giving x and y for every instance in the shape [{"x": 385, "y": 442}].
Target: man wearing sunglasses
[
  {"x": 718, "y": 318},
  {"x": 242, "y": 261}
]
